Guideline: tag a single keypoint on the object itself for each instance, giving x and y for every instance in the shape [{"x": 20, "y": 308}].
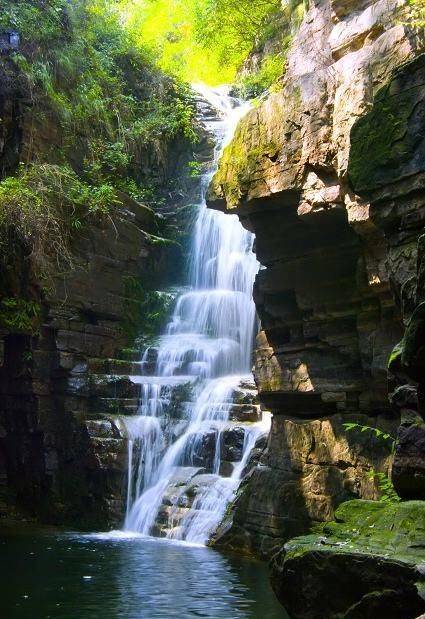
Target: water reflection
[{"x": 79, "y": 577}]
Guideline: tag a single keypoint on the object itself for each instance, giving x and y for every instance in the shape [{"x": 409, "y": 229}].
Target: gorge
[{"x": 197, "y": 238}]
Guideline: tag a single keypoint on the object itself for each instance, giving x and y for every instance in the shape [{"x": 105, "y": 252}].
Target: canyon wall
[
  {"x": 339, "y": 251},
  {"x": 67, "y": 337}
]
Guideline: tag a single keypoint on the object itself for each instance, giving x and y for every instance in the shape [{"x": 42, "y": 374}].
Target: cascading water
[{"x": 207, "y": 346}]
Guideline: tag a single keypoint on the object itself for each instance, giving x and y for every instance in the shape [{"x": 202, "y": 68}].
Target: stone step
[
  {"x": 112, "y": 386},
  {"x": 117, "y": 406},
  {"x": 246, "y": 413},
  {"x": 129, "y": 354},
  {"x": 117, "y": 367}
]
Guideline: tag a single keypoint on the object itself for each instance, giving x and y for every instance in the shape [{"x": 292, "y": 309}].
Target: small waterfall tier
[{"x": 199, "y": 423}]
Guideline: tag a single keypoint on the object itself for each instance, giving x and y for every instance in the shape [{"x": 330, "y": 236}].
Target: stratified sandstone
[
  {"x": 387, "y": 166},
  {"x": 338, "y": 284},
  {"x": 53, "y": 461}
]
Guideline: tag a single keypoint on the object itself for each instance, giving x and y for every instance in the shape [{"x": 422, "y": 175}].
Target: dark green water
[{"x": 66, "y": 576}]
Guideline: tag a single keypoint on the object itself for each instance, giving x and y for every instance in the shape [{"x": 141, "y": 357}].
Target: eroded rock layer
[{"x": 339, "y": 251}]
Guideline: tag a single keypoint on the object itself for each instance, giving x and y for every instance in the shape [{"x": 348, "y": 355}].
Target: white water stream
[{"x": 208, "y": 344}]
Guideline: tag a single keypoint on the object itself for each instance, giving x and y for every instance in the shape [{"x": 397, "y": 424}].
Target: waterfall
[{"x": 177, "y": 485}]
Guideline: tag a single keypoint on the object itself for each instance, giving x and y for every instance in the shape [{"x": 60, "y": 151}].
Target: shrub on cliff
[
  {"x": 98, "y": 117},
  {"x": 43, "y": 204},
  {"x": 99, "y": 87}
]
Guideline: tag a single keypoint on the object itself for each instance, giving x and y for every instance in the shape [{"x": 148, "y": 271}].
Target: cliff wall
[{"x": 339, "y": 277}]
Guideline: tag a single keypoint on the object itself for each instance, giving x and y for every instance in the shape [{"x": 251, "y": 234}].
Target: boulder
[{"x": 368, "y": 563}]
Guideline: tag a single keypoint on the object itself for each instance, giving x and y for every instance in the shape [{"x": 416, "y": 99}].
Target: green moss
[
  {"x": 146, "y": 310},
  {"x": 238, "y": 163},
  {"x": 20, "y": 314},
  {"x": 381, "y": 142},
  {"x": 369, "y": 527},
  {"x": 191, "y": 492}
]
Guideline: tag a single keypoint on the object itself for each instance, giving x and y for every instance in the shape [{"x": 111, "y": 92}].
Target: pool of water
[{"x": 72, "y": 576}]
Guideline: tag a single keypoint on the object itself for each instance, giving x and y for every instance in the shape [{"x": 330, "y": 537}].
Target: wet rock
[
  {"x": 226, "y": 468},
  {"x": 104, "y": 386},
  {"x": 245, "y": 413},
  {"x": 201, "y": 449},
  {"x": 107, "y": 453},
  {"x": 181, "y": 395},
  {"x": 183, "y": 474},
  {"x": 232, "y": 441},
  {"x": 201, "y": 483},
  {"x": 256, "y": 454},
  {"x": 307, "y": 470},
  {"x": 150, "y": 359},
  {"x": 101, "y": 429}
]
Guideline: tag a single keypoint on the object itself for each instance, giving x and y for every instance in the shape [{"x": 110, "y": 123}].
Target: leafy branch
[
  {"x": 385, "y": 485},
  {"x": 376, "y": 431},
  {"x": 382, "y": 480}
]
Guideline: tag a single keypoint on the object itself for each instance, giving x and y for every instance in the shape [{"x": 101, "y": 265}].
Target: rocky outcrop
[
  {"x": 337, "y": 267},
  {"x": 13, "y": 97},
  {"x": 387, "y": 166},
  {"x": 371, "y": 560},
  {"x": 308, "y": 469}
]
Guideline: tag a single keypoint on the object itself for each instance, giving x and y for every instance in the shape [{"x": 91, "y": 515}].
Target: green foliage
[
  {"x": 99, "y": 83},
  {"x": 382, "y": 481},
  {"x": 254, "y": 84},
  {"x": 195, "y": 169},
  {"x": 43, "y": 204},
  {"x": 376, "y": 431},
  {"x": 146, "y": 310},
  {"x": 19, "y": 314},
  {"x": 396, "y": 354},
  {"x": 39, "y": 21},
  {"x": 385, "y": 485},
  {"x": 417, "y": 13},
  {"x": 235, "y": 28},
  {"x": 111, "y": 113},
  {"x": 208, "y": 40}
]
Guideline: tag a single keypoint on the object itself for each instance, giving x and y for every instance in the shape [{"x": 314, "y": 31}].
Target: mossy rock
[
  {"x": 370, "y": 562},
  {"x": 388, "y": 143}
]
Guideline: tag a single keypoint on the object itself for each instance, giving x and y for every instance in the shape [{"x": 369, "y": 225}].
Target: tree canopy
[{"x": 205, "y": 40}]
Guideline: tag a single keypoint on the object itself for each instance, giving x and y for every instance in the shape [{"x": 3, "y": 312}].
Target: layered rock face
[
  {"x": 329, "y": 297},
  {"x": 53, "y": 382},
  {"x": 64, "y": 377},
  {"x": 387, "y": 167}
]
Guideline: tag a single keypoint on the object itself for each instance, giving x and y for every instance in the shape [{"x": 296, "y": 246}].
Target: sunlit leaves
[{"x": 201, "y": 40}]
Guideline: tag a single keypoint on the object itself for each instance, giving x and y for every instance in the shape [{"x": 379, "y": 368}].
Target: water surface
[{"x": 66, "y": 576}]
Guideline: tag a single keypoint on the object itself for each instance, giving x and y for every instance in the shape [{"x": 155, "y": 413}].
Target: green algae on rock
[{"x": 369, "y": 562}]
